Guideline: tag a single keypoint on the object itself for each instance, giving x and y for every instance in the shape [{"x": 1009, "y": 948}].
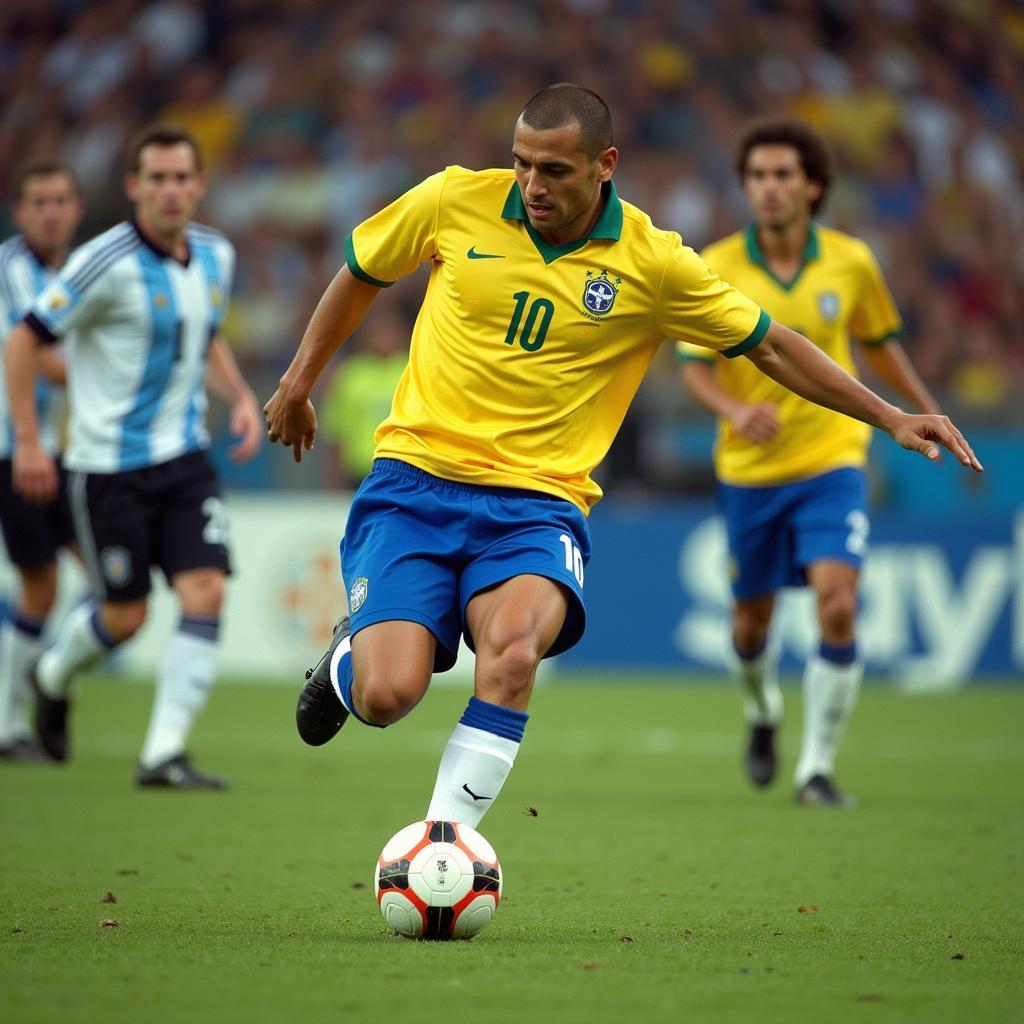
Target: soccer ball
[{"x": 438, "y": 880}]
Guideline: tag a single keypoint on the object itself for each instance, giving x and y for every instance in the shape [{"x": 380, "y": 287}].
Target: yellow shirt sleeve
[
  {"x": 694, "y": 303},
  {"x": 395, "y": 241},
  {"x": 875, "y": 318},
  {"x": 688, "y": 352}
]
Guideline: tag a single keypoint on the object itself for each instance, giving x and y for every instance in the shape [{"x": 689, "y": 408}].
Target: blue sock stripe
[
  {"x": 505, "y": 722},
  {"x": 839, "y": 654},
  {"x": 100, "y": 630},
  {"x": 26, "y": 624},
  {"x": 206, "y": 627},
  {"x": 751, "y": 653}
]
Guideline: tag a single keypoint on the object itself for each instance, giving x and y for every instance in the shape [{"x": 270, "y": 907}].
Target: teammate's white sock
[
  {"x": 81, "y": 640},
  {"x": 830, "y": 693},
  {"x": 476, "y": 762},
  {"x": 20, "y": 644},
  {"x": 183, "y": 683},
  {"x": 759, "y": 676}
]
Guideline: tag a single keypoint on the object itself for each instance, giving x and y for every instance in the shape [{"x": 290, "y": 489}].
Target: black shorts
[
  {"x": 33, "y": 534},
  {"x": 170, "y": 516}
]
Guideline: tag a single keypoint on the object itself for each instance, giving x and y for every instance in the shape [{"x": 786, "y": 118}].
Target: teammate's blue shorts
[
  {"x": 417, "y": 548},
  {"x": 774, "y": 533}
]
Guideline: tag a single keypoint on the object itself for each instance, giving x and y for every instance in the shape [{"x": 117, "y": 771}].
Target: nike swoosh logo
[
  {"x": 474, "y": 255},
  {"x": 474, "y": 796}
]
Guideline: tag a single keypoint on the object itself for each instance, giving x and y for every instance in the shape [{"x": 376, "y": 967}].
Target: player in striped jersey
[
  {"x": 47, "y": 211},
  {"x": 144, "y": 303}
]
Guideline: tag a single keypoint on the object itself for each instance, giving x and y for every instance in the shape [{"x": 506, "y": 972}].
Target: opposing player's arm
[
  {"x": 225, "y": 380},
  {"x": 798, "y": 364},
  {"x": 291, "y": 418},
  {"x": 889, "y": 360},
  {"x": 758, "y": 422},
  {"x": 33, "y": 471}
]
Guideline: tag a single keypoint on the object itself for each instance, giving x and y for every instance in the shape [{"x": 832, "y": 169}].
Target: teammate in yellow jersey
[
  {"x": 548, "y": 297},
  {"x": 791, "y": 484}
]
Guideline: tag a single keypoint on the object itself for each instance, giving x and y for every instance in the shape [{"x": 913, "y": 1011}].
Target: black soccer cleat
[
  {"x": 177, "y": 772},
  {"x": 761, "y": 760},
  {"x": 820, "y": 791},
  {"x": 320, "y": 714},
  {"x": 51, "y": 721},
  {"x": 23, "y": 750}
]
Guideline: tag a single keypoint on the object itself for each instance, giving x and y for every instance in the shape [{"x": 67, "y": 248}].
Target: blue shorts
[
  {"x": 417, "y": 548},
  {"x": 774, "y": 533}
]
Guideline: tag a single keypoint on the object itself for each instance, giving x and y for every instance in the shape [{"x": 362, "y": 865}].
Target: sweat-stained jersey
[
  {"x": 22, "y": 278},
  {"x": 141, "y": 324},
  {"x": 838, "y": 292},
  {"x": 525, "y": 356}
]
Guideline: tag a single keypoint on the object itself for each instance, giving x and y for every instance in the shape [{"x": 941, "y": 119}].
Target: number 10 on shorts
[{"x": 573, "y": 558}]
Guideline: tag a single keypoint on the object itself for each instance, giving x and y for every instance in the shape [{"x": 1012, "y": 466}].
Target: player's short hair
[
  {"x": 814, "y": 154},
  {"x": 161, "y": 135},
  {"x": 563, "y": 103},
  {"x": 38, "y": 167}
]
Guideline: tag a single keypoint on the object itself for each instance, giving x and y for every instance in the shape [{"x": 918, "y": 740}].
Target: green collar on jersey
[
  {"x": 755, "y": 254},
  {"x": 608, "y": 224}
]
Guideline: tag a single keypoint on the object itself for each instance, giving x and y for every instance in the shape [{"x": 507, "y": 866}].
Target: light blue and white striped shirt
[
  {"x": 140, "y": 326},
  {"x": 22, "y": 278}
]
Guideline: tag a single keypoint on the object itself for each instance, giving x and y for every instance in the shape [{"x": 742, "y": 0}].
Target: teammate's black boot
[
  {"x": 820, "y": 791},
  {"x": 177, "y": 772},
  {"x": 320, "y": 714},
  {"x": 761, "y": 759},
  {"x": 51, "y": 720}
]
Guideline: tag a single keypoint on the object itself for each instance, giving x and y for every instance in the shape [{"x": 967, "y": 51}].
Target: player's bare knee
[
  {"x": 201, "y": 593},
  {"x": 837, "y": 612},
  {"x": 509, "y": 672},
  {"x": 123, "y": 621},
  {"x": 383, "y": 701}
]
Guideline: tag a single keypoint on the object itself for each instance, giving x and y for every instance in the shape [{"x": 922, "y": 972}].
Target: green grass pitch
[{"x": 653, "y": 884}]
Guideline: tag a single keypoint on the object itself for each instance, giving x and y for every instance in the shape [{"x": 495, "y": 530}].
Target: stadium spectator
[{"x": 143, "y": 303}]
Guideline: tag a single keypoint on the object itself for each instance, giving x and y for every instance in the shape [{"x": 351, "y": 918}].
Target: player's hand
[
  {"x": 34, "y": 474},
  {"x": 290, "y": 423},
  {"x": 924, "y": 434},
  {"x": 245, "y": 424},
  {"x": 758, "y": 423}
]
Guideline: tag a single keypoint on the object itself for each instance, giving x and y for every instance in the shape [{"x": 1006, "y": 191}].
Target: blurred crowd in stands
[{"x": 314, "y": 113}]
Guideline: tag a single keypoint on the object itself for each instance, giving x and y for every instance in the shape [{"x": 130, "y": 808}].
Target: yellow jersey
[
  {"x": 838, "y": 291},
  {"x": 525, "y": 355}
]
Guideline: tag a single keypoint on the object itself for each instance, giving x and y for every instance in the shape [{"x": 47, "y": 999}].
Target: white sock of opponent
[
  {"x": 81, "y": 640},
  {"x": 758, "y": 673},
  {"x": 20, "y": 644},
  {"x": 183, "y": 683},
  {"x": 476, "y": 762},
  {"x": 831, "y": 684}
]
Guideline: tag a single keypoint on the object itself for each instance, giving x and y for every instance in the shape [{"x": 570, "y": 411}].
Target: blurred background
[{"x": 313, "y": 114}]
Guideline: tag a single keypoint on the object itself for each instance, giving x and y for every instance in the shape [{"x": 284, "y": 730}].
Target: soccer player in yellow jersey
[
  {"x": 791, "y": 483},
  {"x": 548, "y": 297}
]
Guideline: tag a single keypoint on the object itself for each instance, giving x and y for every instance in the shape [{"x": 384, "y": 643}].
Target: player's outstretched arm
[
  {"x": 801, "y": 366},
  {"x": 291, "y": 418},
  {"x": 33, "y": 471}
]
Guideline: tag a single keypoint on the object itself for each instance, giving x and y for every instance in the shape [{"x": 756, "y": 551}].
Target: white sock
[
  {"x": 19, "y": 648},
  {"x": 183, "y": 683},
  {"x": 80, "y": 642},
  {"x": 830, "y": 693},
  {"x": 473, "y": 769},
  {"x": 759, "y": 677}
]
